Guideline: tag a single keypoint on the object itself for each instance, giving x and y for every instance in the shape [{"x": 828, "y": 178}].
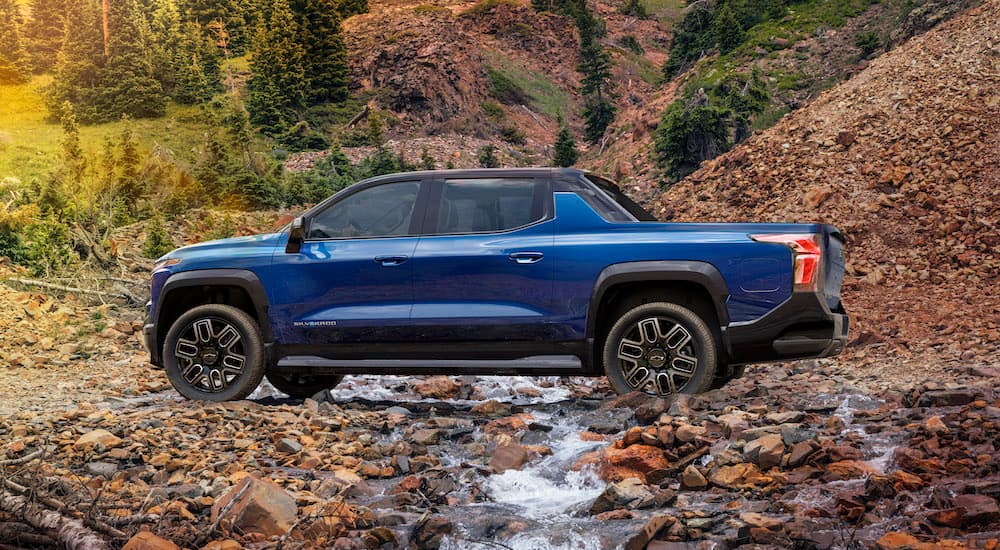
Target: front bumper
[
  {"x": 149, "y": 338},
  {"x": 802, "y": 327}
]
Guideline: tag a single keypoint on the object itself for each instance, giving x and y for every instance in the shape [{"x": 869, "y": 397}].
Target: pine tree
[
  {"x": 598, "y": 112},
  {"x": 126, "y": 84},
  {"x": 566, "y": 153},
  {"x": 44, "y": 34},
  {"x": 79, "y": 63},
  {"x": 347, "y": 8},
  {"x": 325, "y": 54},
  {"x": 236, "y": 16},
  {"x": 277, "y": 89},
  {"x": 14, "y": 64},
  {"x": 727, "y": 30},
  {"x": 197, "y": 70}
]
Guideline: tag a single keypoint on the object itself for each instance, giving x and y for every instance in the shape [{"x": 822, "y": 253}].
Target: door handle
[
  {"x": 390, "y": 261},
  {"x": 526, "y": 257}
]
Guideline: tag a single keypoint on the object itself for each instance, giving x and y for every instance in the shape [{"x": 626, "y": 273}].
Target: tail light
[{"x": 807, "y": 252}]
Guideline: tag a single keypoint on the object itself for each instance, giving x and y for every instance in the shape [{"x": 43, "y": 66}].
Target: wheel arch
[
  {"x": 695, "y": 284},
  {"x": 236, "y": 287}
]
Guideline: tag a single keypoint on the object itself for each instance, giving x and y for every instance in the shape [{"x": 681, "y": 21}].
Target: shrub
[
  {"x": 512, "y": 134},
  {"x": 157, "y": 241},
  {"x": 504, "y": 89},
  {"x": 633, "y": 8},
  {"x": 488, "y": 157},
  {"x": 868, "y": 42},
  {"x": 691, "y": 132},
  {"x": 631, "y": 43}
]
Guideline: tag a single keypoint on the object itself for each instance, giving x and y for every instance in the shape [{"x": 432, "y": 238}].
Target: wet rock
[
  {"x": 92, "y": 439},
  {"x": 426, "y": 436},
  {"x": 754, "y": 519},
  {"x": 849, "y": 469},
  {"x": 792, "y": 434},
  {"x": 899, "y": 541},
  {"x": 935, "y": 425},
  {"x": 257, "y": 505},
  {"x": 429, "y": 532},
  {"x": 627, "y": 493},
  {"x": 399, "y": 410},
  {"x": 615, "y": 515},
  {"x": 633, "y": 461},
  {"x": 226, "y": 544},
  {"x": 508, "y": 457},
  {"x": 437, "y": 387},
  {"x": 144, "y": 540},
  {"x": 511, "y": 425},
  {"x": 800, "y": 453},
  {"x": 765, "y": 451},
  {"x": 608, "y": 421},
  {"x": 653, "y": 528},
  {"x": 492, "y": 408},
  {"x": 379, "y": 536},
  {"x": 735, "y": 476},
  {"x": 692, "y": 479}
]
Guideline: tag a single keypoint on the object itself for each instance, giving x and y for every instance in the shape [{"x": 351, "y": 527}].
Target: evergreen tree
[
  {"x": 727, "y": 30},
  {"x": 79, "y": 63},
  {"x": 126, "y": 84},
  {"x": 236, "y": 18},
  {"x": 14, "y": 64},
  {"x": 197, "y": 69},
  {"x": 690, "y": 132},
  {"x": 426, "y": 160},
  {"x": 598, "y": 112},
  {"x": 325, "y": 58},
  {"x": 633, "y": 8},
  {"x": 44, "y": 34},
  {"x": 488, "y": 157},
  {"x": 566, "y": 153},
  {"x": 157, "y": 241},
  {"x": 278, "y": 87},
  {"x": 347, "y": 8}
]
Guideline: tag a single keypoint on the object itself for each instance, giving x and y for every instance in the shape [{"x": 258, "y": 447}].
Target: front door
[{"x": 351, "y": 281}]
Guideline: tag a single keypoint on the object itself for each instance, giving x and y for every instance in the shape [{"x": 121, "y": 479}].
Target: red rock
[
  {"x": 850, "y": 469},
  {"x": 935, "y": 425},
  {"x": 144, "y": 540},
  {"x": 951, "y": 517},
  {"x": 510, "y": 425},
  {"x": 508, "y": 457},
  {"x": 765, "y": 451},
  {"x": 845, "y": 138},
  {"x": 653, "y": 527},
  {"x": 692, "y": 479},
  {"x": 898, "y": 541},
  {"x": 491, "y": 408},
  {"x": 734, "y": 476},
  {"x": 227, "y": 544},
  {"x": 800, "y": 453},
  {"x": 437, "y": 387},
  {"x": 977, "y": 508},
  {"x": 633, "y": 461},
  {"x": 256, "y": 505},
  {"x": 687, "y": 433},
  {"x": 906, "y": 481},
  {"x": 93, "y": 438},
  {"x": 619, "y": 514}
]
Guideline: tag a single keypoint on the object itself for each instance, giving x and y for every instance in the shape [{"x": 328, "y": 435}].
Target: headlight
[{"x": 166, "y": 263}]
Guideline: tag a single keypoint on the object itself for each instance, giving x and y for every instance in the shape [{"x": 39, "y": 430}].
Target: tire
[
  {"x": 303, "y": 385},
  {"x": 680, "y": 358},
  {"x": 214, "y": 353}
]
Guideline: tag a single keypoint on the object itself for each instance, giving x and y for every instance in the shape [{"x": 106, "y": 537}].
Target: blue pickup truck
[{"x": 515, "y": 271}]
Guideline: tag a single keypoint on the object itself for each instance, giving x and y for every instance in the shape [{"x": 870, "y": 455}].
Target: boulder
[
  {"x": 765, "y": 451},
  {"x": 653, "y": 527},
  {"x": 627, "y": 493},
  {"x": 437, "y": 387},
  {"x": 686, "y": 433},
  {"x": 977, "y": 508},
  {"x": 256, "y": 505},
  {"x": 492, "y": 408},
  {"x": 633, "y": 461},
  {"x": 692, "y": 480}
]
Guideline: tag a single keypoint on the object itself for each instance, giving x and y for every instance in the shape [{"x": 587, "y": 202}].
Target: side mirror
[{"x": 296, "y": 234}]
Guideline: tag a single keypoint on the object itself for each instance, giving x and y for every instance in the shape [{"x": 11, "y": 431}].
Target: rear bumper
[{"x": 802, "y": 327}]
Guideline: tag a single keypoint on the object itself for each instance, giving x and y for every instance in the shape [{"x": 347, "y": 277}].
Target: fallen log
[
  {"x": 71, "y": 533},
  {"x": 21, "y": 460},
  {"x": 72, "y": 289}
]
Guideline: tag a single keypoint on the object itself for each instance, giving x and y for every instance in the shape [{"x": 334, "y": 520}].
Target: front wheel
[
  {"x": 662, "y": 349},
  {"x": 303, "y": 385},
  {"x": 214, "y": 352}
]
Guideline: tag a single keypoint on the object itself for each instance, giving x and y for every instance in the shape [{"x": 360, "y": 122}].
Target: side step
[{"x": 557, "y": 365}]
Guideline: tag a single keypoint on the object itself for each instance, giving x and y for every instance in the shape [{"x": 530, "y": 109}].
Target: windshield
[{"x": 612, "y": 190}]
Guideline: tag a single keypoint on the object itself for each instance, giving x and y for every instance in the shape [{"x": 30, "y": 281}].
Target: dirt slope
[{"x": 905, "y": 159}]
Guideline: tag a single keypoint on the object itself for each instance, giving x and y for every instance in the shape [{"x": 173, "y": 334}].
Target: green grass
[
  {"x": 667, "y": 11},
  {"x": 30, "y": 142},
  {"x": 545, "y": 95}
]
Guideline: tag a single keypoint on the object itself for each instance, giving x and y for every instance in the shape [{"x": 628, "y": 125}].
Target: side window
[
  {"x": 381, "y": 211},
  {"x": 489, "y": 204}
]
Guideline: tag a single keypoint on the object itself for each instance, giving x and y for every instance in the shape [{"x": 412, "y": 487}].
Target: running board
[{"x": 537, "y": 365}]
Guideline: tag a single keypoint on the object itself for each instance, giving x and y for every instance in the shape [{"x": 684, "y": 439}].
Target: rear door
[{"x": 483, "y": 270}]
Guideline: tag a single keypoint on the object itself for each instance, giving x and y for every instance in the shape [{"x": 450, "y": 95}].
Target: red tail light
[{"x": 807, "y": 252}]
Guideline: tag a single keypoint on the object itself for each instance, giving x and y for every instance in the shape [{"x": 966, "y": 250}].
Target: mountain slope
[{"x": 905, "y": 158}]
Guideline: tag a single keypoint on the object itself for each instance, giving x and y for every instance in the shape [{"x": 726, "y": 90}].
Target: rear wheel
[
  {"x": 214, "y": 352},
  {"x": 303, "y": 385},
  {"x": 660, "y": 348}
]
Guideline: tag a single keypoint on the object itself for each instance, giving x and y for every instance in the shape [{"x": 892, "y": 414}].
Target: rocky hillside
[{"x": 905, "y": 159}]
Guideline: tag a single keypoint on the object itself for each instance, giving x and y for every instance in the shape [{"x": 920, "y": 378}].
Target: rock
[
  {"x": 845, "y": 138},
  {"x": 227, "y": 544},
  {"x": 849, "y": 469},
  {"x": 429, "y": 532},
  {"x": 754, "y": 519},
  {"x": 650, "y": 531},
  {"x": 257, "y": 505},
  {"x": 508, "y": 457},
  {"x": 608, "y": 421},
  {"x": 785, "y": 417},
  {"x": 627, "y": 493},
  {"x": 692, "y": 480},
  {"x": 92, "y": 439},
  {"x": 104, "y": 469},
  {"x": 935, "y": 425},
  {"x": 511, "y": 425},
  {"x": 686, "y": 433},
  {"x": 800, "y": 452},
  {"x": 977, "y": 508},
  {"x": 144, "y": 540},
  {"x": 946, "y": 398},
  {"x": 633, "y": 461},
  {"x": 399, "y": 410},
  {"x": 613, "y": 515},
  {"x": 437, "y": 387},
  {"x": 288, "y": 445},
  {"x": 765, "y": 451},
  {"x": 492, "y": 408},
  {"x": 426, "y": 436},
  {"x": 734, "y": 476},
  {"x": 898, "y": 541}
]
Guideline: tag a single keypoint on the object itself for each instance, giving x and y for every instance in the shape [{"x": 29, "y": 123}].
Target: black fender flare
[
  {"x": 703, "y": 274},
  {"x": 240, "y": 278}
]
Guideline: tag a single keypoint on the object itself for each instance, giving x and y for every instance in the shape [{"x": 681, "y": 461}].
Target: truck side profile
[{"x": 506, "y": 271}]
